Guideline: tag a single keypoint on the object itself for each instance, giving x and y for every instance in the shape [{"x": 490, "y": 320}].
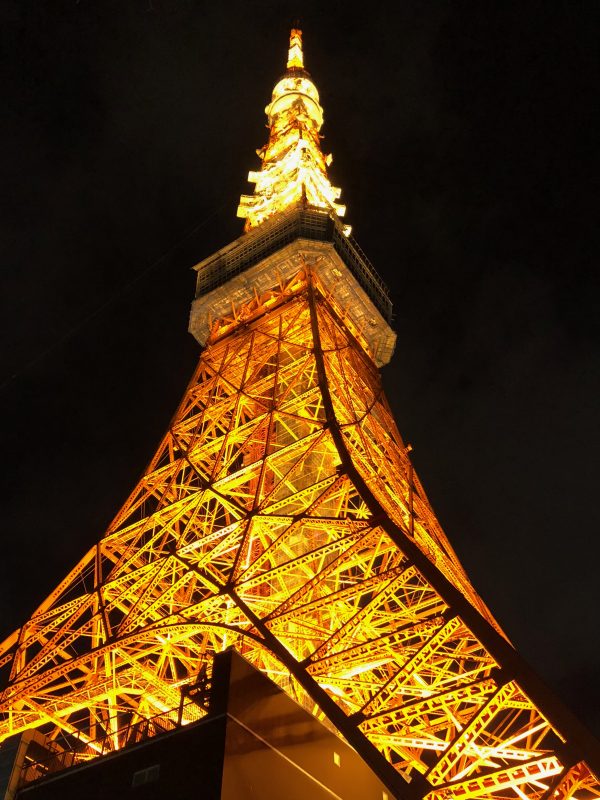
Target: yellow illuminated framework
[
  {"x": 281, "y": 515},
  {"x": 293, "y": 165}
]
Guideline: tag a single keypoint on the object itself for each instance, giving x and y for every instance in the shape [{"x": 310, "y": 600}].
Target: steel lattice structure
[{"x": 281, "y": 515}]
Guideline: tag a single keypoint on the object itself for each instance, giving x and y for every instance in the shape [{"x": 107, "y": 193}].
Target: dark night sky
[{"x": 464, "y": 142}]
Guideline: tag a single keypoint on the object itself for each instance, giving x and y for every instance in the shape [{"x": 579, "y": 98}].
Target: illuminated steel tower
[{"x": 281, "y": 516}]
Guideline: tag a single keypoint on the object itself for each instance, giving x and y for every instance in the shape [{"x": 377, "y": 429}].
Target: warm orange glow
[
  {"x": 248, "y": 515},
  {"x": 294, "y": 168},
  {"x": 281, "y": 515}
]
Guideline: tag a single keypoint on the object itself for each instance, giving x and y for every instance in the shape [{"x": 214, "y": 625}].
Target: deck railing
[{"x": 300, "y": 222}]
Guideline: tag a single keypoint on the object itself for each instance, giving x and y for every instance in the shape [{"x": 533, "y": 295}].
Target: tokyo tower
[{"x": 281, "y": 516}]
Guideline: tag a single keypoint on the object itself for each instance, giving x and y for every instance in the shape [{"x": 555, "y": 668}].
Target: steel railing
[{"x": 300, "y": 222}]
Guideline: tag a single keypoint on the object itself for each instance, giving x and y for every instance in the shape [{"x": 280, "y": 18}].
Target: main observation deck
[{"x": 275, "y": 251}]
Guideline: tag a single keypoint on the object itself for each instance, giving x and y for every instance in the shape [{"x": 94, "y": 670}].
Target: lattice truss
[
  {"x": 281, "y": 516},
  {"x": 293, "y": 167}
]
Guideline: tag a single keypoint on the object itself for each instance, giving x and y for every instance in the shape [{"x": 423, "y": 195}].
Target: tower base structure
[{"x": 254, "y": 742}]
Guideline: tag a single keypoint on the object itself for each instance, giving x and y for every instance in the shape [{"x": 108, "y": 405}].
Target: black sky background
[{"x": 465, "y": 144}]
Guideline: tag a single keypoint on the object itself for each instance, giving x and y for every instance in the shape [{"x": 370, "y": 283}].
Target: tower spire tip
[
  {"x": 294, "y": 168},
  {"x": 295, "y": 54}
]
